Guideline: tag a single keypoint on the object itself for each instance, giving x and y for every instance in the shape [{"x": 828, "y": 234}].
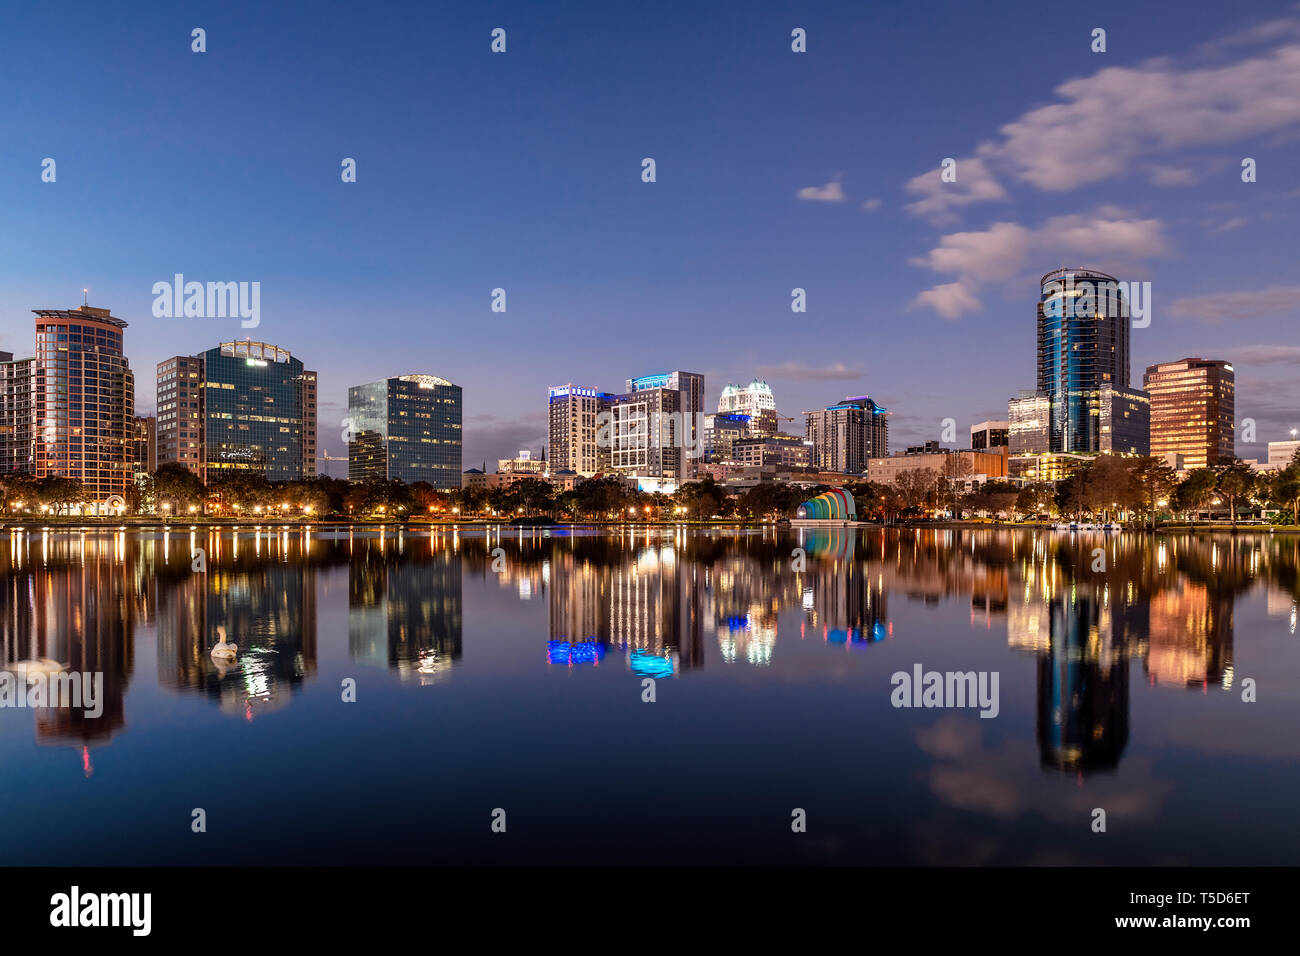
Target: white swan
[
  {"x": 31, "y": 668},
  {"x": 223, "y": 650}
]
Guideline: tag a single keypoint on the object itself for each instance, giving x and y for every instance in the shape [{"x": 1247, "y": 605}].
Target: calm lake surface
[{"x": 512, "y": 679}]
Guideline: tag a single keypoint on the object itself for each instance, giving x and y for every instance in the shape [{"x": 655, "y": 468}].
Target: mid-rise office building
[
  {"x": 1029, "y": 423},
  {"x": 406, "y": 428},
  {"x": 1280, "y": 454},
  {"x": 947, "y": 462},
  {"x": 83, "y": 404},
  {"x": 573, "y": 428},
  {"x": 1193, "y": 403},
  {"x": 781, "y": 451},
  {"x": 1122, "y": 426},
  {"x": 721, "y": 431},
  {"x": 241, "y": 406},
  {"x": 754, "y": 400},
  {"x": 144, "y": 445},
  {"x": 17, "y": 453},
  {"x": 845, "y": 436},
  {"x": 989, "y": 435},
  {"x": 1123, "y": 421}
]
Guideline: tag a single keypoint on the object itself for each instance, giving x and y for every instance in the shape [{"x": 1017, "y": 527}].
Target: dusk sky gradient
[{"x": 522, "y": 171}]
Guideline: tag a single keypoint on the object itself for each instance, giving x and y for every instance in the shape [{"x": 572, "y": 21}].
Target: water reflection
[{"x": 659, "y": 602}]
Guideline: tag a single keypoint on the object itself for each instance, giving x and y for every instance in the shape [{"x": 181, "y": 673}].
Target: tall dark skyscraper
[
  {"x": 407, "y": 428},
  {"x": 1083, "y": 365}
]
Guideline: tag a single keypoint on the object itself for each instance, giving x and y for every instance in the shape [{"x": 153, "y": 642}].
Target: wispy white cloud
[
  {"x": 1224, "y": 306},
  {"x": 950, "y": 300},
  {"x": 798, "y": 371},
  {"x": 833, "y": 191},
  {"x": 1172, "y": 176},
  {"x": 974, "y": 183},
  {"x": 1000, "y": 252},
  {"x": 1236, "y": 89}
]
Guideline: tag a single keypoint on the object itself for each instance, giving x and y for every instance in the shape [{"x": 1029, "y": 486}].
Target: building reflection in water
[
  {"x": 405, "y": 605},
  {"x": 652, "y": 597},
  {"x": 842, "y": 591},
  {"x": 260, "y": 587},
  {"x": 74, "y": 599},
  {"x": 639, "y": 593}
]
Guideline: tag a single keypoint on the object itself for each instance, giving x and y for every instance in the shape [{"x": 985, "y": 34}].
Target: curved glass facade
[{"x": 1083, "y": 348}]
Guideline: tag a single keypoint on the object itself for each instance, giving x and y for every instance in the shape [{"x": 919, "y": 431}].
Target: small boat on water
[{"x": 223, "y": 650}]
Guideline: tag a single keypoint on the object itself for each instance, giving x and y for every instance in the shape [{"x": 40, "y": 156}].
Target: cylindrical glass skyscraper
[{"x": 1083, "y": 348}]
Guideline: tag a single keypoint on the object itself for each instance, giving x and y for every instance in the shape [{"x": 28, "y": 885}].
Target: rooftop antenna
[{"x": 85, "y": 297}]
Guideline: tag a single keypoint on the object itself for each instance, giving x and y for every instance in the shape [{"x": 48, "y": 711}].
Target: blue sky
[{"x": 775, "y": 170}]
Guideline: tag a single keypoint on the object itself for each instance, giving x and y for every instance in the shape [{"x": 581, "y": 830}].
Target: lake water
[{"x": 505, "y": 670}]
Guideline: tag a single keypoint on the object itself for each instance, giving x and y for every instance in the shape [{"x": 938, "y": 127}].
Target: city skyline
[{"x": 565, "y": 226}]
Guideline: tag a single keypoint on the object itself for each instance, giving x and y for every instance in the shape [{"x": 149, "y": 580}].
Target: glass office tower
[
  {"x": 259, "y": 405},
  {"x": 1083, "y": 348},
  {"x": 406, "y": 428}
]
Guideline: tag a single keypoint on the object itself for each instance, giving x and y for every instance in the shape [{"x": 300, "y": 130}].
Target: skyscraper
[
  {"x": 16, "y": 451},
  {"x": 179, "y": 431},
  {"x": 659, "y": 426},
  {"x": 1083, "y": 363},
  {"x": 755, "y": 400},
  {"x": 646, "y": 432},
  {"x": 241, "y": 406},
  {"x": 406, "y": 428},
  {"x": 573, "y": 417},
  {"x": 83, "y": 404},
  {"x": 1192, "y": 410},
  {"x": 846, "y": 435}
]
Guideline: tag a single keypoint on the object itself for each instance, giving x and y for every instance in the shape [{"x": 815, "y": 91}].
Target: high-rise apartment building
[
  {"x": 406, "y": 428},
  {"x": 180, "y": 427},
  {"x": 573, "y": 427},
  {"x": 1193, "y": 403},
  {"x": 689, "y": 438},
  {"x": 755, "y": 400},
  {"x": 83, "y": 404},
  {"x": 1083, "y": 404},
  {"x": 17, "y": 453},
  {"x": 647, "y": 432},
  {"x": 845, "y": 436},
  {"x": 241, "y": 406}
]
